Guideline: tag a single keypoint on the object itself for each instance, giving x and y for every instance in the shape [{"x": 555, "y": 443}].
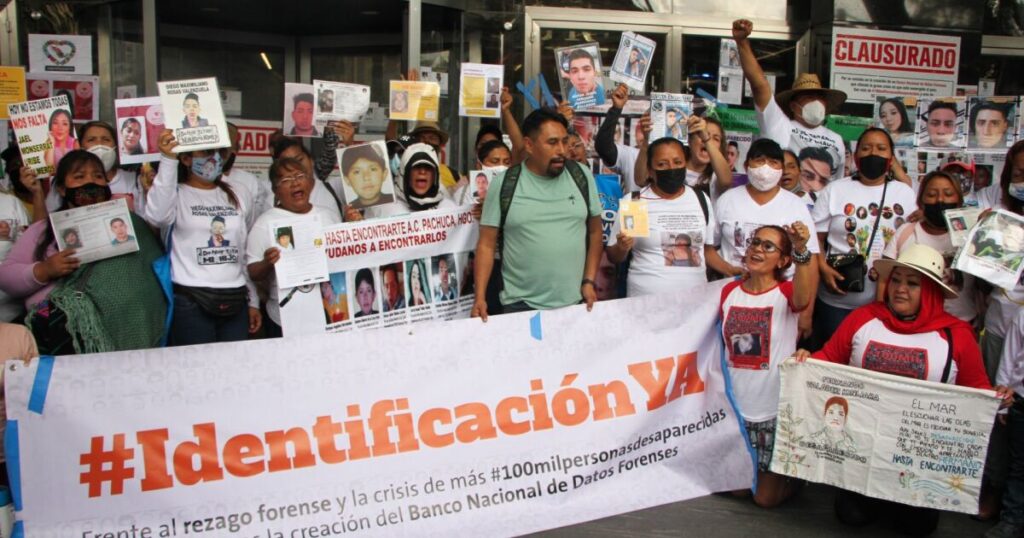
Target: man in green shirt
[{"x": 551, "y": 233}]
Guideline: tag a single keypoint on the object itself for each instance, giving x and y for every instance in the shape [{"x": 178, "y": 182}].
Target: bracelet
[
  {"x": 802, "y": 258},
  {"x": 586, "y": 281}
]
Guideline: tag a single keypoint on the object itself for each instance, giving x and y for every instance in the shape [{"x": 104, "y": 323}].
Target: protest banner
[
  {"x": 44, "y": 131},
  {"x": 82, "y": 92},
  {"x": 95, "y": 232},
  {"x": 69, "y": 54},
  {"x": 413, "y": 100},
  {"x": 889, "y": 437},
  {"x": 389, "y": 271},
  {"x": 669, "y": 114},
  {"x": 495, "y": 439},
  {"x": 254, "y": 152},
  {"x": 340, "y": 101},
  {"x": 139, "y": 123},
  {"x": 192, "y": 109},
  {"x": 994, "y": 249},
  {"x": 991, "y": 123},
  {"x": 579, "y": 75},
  {"x": 480, "y": 90},
  {"x": 942, "y": 123},
  {"x": 12, "y": 88},
  {"x": 633, "y": 60},
  {"x": 869, "y": 63}
]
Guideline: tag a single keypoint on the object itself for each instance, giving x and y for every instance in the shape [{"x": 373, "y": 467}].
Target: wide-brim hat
[
  {"x": 807, "y": 83},
  {"x": 429, "y": 127},
  {"x": 923, "y": 259}
]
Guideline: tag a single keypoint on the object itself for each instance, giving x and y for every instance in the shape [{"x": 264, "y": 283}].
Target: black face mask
[
  {"x": 873, "y": 166},
  {"x": 933, "y": 213},
  {"x": 670, "y": 181},
  {"x": 88, "y": 194}
]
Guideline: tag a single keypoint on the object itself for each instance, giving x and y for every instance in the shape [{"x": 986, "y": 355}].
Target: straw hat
[
  {"x": 809, "y": 82},
  {"x": 923, "y": 259},
  {"x": 429, "y": 127}
]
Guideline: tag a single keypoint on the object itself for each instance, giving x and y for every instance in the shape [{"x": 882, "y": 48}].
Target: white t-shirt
[
  {"x": 259, "y": 188},
  {"x": 789, "y": 134},
  {"x": 124, "y": 185},
  {"x": 260, "y": 239},
  {"x": 759, "y": 332},
  {"x": 914, "y": 234},
  {"x": 1003, "y": 305},
  {"x": 321, "y": 197},
  {"x": 739, "y": 216},
  {"x": 624, "y": 164},
  {"x": 658, "y": 265},
  {"x": 1011, "y": 367},
  {"x": 15, "y": 219},
  {"x": 844, "y": 211},
  {"x": 693, "y": 178},
  {"x": 990, "y": 197}
]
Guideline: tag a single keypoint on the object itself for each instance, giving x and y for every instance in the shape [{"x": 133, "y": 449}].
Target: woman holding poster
[
  {"x": 760, "y": 315},
  {"x": 907, "y": 334},
  {"x": 75, "y": 308},
  {"x": 61, "y": 137},
  {"x": 209, "y": 229}
]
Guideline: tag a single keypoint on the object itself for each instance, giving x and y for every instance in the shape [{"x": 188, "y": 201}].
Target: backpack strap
[
  {"x": 949, "y": 355},
  {"x": 702, "y": 198},
  {"x": 580, "y": 178},
  {"x": 337, "y": 199}
]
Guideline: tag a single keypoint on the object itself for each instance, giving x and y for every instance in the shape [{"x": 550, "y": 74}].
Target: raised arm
[
  {"x": 805, "y": 281},
  {"x": 719, "y": 163},
  {"x": 640, "y": 172},
  {"x": 604, "y": 142},
  {"x": 741, "y": 30},
  {"x": 510, "y": 126},
  {"x": 162, "y": 200}
]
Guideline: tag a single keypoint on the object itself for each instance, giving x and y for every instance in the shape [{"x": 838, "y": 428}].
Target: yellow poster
[
  {"x": 12, "y": 88},
  {"x": 480, "y": 90},
  {"x": 633, "y": 218},
  {"x": 414, "y": 100}
]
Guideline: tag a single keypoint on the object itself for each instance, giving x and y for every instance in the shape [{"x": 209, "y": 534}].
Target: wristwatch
[
  {"x": 588, "y": 281},
  {"x": 802, "y": 258}
]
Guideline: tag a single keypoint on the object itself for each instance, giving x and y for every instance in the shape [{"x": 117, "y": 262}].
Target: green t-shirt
[{"x": 545, "y": 237}]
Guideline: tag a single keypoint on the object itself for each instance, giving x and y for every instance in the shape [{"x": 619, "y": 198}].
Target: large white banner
[
  {"x": 899, "y": 439},
  {"x": 869, "y": 63},
  {"x": 387, "y": 272},
  {"x": 527, "y": 422}
]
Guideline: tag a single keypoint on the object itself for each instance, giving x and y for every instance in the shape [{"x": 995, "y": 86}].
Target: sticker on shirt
[
  {"x": 219, "y": 248},
  {"x": 748, "y": 337},
  {"x": 896, "y": 360}
]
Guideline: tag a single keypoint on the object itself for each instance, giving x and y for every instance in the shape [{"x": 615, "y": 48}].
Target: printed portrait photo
[
  {"x": 367, "y": 176},
  {"x": 298, "y": 110},
  {"x": 334, "y": 293},
  {"x": 366, "y": 295},
  {"x": 580, "y": 76},
  {"x": 444, "y": 278},
  {"x": 120, "y": 232},
  {"x": 681, "y": 249},
  {"x": 417, "y": 279},
  {"x": 990, "y": 125},
  {"x": 71, "y": 238},
  {"x": 392, "y": 277},
  {"x": 284, "y": 238}
]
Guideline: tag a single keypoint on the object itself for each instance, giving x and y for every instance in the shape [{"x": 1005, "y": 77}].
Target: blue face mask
[
  {"x": 396, "y": 165},
  {"x": 208, "y": 168}
]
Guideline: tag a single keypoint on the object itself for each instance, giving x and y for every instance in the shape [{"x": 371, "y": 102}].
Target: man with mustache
[{"x": 548, "y": 214}]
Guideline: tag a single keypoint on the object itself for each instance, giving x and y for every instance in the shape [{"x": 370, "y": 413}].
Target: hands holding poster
[
  {"x": 95, "y": 232},
  {"x": 894, "y": 438},
  {"x": 340, "y": 101},
  {"x": 414, "y": 100},
  {"x": 480, "y": 90},
  {"x": 301, "y": 244},
  {"x": 44, "y": 131},
  {"x": 633, "y": 60},
  {"x": 192, "y": 109},
  {"x": 139, "y": 124}
]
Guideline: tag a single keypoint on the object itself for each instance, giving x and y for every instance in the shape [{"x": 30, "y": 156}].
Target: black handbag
[
  {"x": 852, "y": 265},
  {"x": 218, "y": 302}
]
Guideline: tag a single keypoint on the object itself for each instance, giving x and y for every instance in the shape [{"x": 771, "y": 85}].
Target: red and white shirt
[
  {"x": 760, "y": 331},
  {"x": 864, "y": 341}
]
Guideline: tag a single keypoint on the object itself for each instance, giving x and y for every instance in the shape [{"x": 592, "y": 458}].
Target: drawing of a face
[{"x": 835, "y": 417}]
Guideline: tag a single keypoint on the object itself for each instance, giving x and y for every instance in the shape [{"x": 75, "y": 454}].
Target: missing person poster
[
  {"x": 579, "y": 75},
  {"x": 868, "y": 63},
  {"x": 69, "y": 54},
  {"x": 669, "y": 114},
  {"x": 897, "y": 114},
  {"x": 994, "y": 249},
  {"x": 192, "y": 109},
  {"x": 386, "y": 272},
  {"x": 45, "y": 132},
  {"x": 414, "y": 100},
  {"x": 633, "y": 60},
  {"x": 480, "y": 90},
  {"x": 139, "y": 123},
  {"x": 942, "y": 123},
  {"x": 991, "y": 123},
  {"x": 83, "y": 92},
  {"x": 479, "y": 182},
  {"x": 299, "y": 106},
  {"x": 366, "y": 175},
  {"x": 301, "y": 242},
  {"x": 633, "y": 218},
  {"x": 95, "y": 232},
  {"x": 884, "y": 436},
  {"x": 959, "y": 222},
  {"x": 12, "y": 88},
  {"x": 340, "y": 101}
]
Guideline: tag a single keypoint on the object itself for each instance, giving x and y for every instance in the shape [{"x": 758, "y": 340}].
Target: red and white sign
[
  {"x": 869, "y": 63},
  {"x": 254, "y": 152}
]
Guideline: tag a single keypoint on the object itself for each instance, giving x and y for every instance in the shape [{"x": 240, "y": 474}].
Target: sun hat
[
  {"x": 429, "y": 127},
  {"x": 923, "y": 259},
  {"x": 809, "y": 82}
]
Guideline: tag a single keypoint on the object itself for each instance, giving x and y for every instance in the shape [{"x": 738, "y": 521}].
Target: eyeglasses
[
  {"x": 767, "y": 246},
  {"x": 286, "y": 180}
]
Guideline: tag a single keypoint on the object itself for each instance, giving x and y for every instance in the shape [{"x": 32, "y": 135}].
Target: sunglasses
[{"x": 767, "y": 246}]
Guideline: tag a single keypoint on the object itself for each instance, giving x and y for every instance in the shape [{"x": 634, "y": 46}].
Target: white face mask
[
  {"x": 106, "y": 154},
  {"x": 496, "y": 169},
  {"x": 813, "y": 113},
  {"x": 764, "y": 178}
]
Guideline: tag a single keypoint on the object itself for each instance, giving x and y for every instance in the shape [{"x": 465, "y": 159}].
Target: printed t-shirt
[
  {"x": 759, "y": 331},
  {"x": 544, "y": 237},
  {"x": 846, "y": 210},
  {"x": 790, "y": 134},
  {"x": 672, "y": 257},
  {"x": 739, "y": 216}
]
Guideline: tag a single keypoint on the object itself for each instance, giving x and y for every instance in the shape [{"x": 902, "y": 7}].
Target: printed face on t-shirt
[{"x": 814, "y": 174}]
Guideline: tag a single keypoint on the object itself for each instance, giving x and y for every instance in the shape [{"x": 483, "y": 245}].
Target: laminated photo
[
  {"x": 340, "y": 101},
  {"x": 942, "y": 123},
  {"x": 897, "y": 115},
  {"x": 299, "y": 105},
  {"x": 669, "y": 114},
  {"x": 579, "y": 75},
  {"x": 991, "y": 124},
  {"x": 633, "y": 60},
  {"x": 139, "y": 123},
  {"x": 192, "y": 108},
  {"x": 95, "y": 232}
]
